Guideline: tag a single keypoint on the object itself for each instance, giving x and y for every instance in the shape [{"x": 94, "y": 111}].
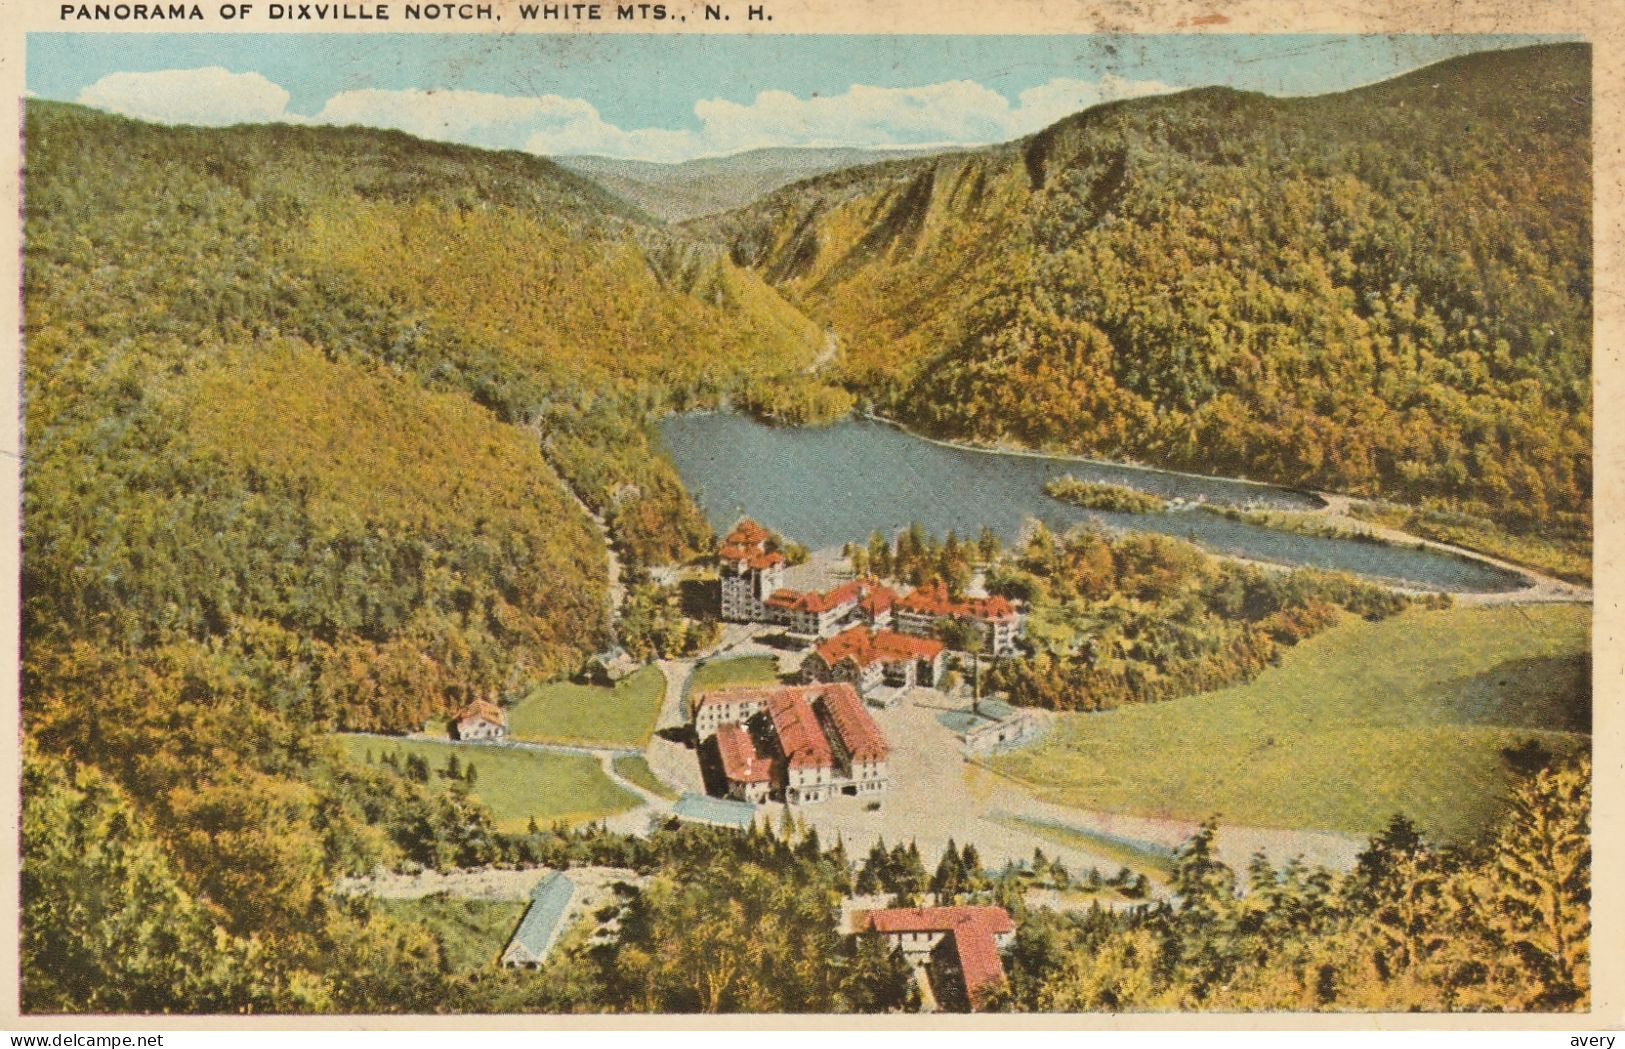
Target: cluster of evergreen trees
[
  {"x": 654, "y": 625},
  {"x": 1498, "y": 925},
  {"x": 916, "y": 557}
]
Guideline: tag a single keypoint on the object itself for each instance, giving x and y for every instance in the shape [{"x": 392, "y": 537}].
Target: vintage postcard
[{"x": 694, "y": 509}]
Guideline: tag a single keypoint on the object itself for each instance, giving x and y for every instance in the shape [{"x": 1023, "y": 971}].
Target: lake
[{"x": 829, "y": 485}]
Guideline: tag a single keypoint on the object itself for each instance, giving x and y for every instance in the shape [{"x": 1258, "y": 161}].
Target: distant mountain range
[{"x": 694, "y": 188}]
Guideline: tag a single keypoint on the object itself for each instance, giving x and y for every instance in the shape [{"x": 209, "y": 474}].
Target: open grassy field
[
  {"x": 634, "y": 768},
  {"x": 591, "y": 715},
  {"x": 737, "y": 670},
  {"x": 472, "y": 933},
  {"x": 515, "y": 784},
  {"x": 1409, "y": 715}
]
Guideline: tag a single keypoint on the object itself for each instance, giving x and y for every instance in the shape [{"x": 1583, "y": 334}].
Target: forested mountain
[
  {"x": 306, "y": 410},
  {"x": 301, "y": 408},
  {"x": 707, "y": 185},
  {"x": 1384, "y": 291},
  {"x": 322, "y": 380}
]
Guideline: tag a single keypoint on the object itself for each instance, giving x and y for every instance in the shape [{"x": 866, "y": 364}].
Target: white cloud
[
  {"x": 210, "y": 97},
  {"x": 957, "y": 112},
  {"x": 960, "y": 111},
  {"x": 1043, "y": 105},
  {"x": 472, "y": 117}
]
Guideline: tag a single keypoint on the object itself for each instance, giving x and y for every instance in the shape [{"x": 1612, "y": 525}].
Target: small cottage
[
  {"x": 957, "y": 946},
  {"x": 481, "y": 720},
  {"x": 609, "y": 666}
]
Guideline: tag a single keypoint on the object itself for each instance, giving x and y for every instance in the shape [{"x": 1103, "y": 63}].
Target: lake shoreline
[
  {"x": 1530, "y": 582},
  {"x": 1321, "y": 500},
  {"x": 838, "y": 482}
]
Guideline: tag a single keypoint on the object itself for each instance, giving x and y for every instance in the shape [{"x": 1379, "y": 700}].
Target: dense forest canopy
[
  {"x": 326, "y": 381},
  {"x": 1380, "y": 291}
]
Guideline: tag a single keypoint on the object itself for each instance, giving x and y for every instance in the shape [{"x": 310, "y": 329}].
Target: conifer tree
[{"x": 1540, "y": 882}]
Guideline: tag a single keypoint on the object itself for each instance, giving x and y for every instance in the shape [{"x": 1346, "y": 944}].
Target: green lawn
[
  {"x": 635, "y": 769},
  {"x": 563, "y": 712},
  {"x": 1368, "y": 719},
  {"x": 472, "y": 933},
  {"x": 515, "y": 784},
  {"x": 738, "y": 670}
]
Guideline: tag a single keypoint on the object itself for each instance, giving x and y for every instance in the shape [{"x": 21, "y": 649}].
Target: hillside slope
[
  {"x": 301, "y": 410},
  {"x": 377, "y": 266},
  {"x": 1382, "y": 291}
]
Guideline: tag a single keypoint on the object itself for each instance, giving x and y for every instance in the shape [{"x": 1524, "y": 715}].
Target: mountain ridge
[{"x": 1219, "y": 273}]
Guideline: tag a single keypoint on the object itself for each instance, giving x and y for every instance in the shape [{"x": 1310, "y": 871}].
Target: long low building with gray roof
[{"x": 544, "y": 919}]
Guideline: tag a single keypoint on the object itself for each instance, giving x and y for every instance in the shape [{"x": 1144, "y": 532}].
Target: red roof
[
  {"x": 863, "y": 647},
  {"x": 748, "y": 542},
  {"x": 741, "y": 763},
  {"x": 858, "y": 731},
  {"x": 867, "y": 593},
  {"x": 972, "y": 928},
  {"x": 800, "y": 736},
  {"x": 877, "y": 600},
  {"x": 892, "y": 646},
  {"x": 996, "y": 920},
  {"x": 815, "y": 602},
  {"x": 853, "y": 642},
  {"x": 482, "y": 710},
  {"x": 933, "y": 600},
  {"x": 747, "y": 533},
  {"x": 754, "y": 558},
  {"x": 979, "y": 962}
]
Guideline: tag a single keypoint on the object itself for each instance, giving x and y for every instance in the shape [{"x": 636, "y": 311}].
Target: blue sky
[{"x": 675, "y": 96}]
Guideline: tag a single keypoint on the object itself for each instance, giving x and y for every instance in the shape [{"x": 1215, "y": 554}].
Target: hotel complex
[
  {"x": 801, "y": 743},
  {"x": 866, "y": 643},
  {"x": 753, "y": 591}
]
